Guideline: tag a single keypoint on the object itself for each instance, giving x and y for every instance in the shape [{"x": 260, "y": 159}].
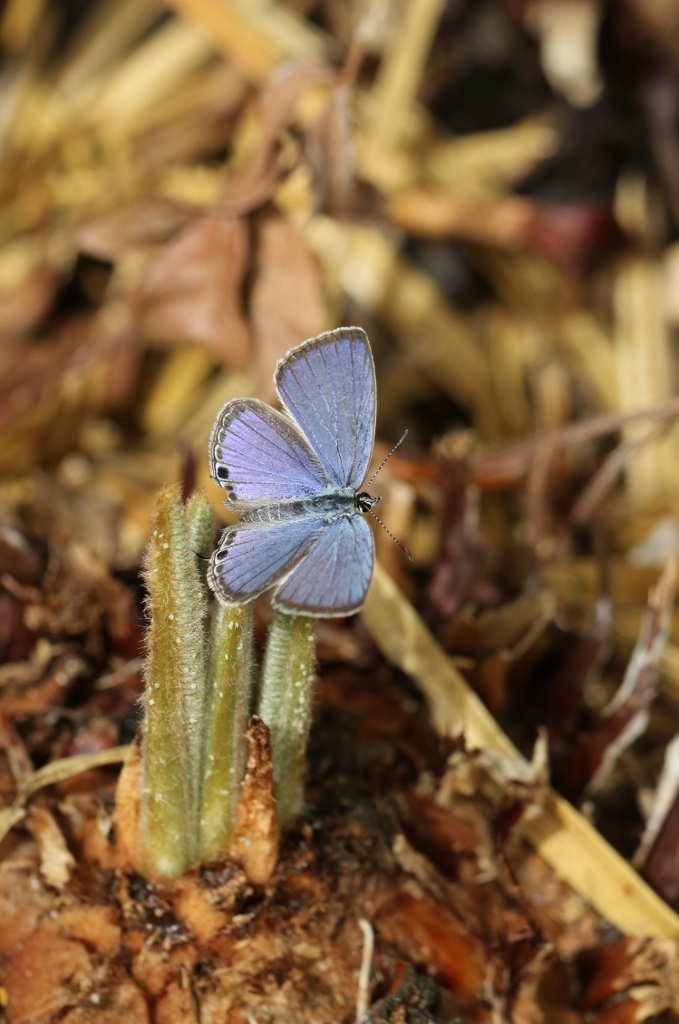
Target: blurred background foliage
[{"x": 491, "y": 189}]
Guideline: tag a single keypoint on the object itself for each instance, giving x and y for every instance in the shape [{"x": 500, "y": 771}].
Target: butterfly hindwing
[
  {"x": 334, "y": 576},
  {"x": 252, "y": 558}
]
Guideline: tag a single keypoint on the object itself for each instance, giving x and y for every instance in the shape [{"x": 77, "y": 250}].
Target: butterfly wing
[
  {"x": 252, "y": 558},
  {"x": 258, "y": 454},
  {"x": 327, "y": 384},
  {"x": 334, "y": 576}
]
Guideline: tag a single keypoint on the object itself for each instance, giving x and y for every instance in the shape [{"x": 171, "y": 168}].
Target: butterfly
[{"x": 295, "y": 478}]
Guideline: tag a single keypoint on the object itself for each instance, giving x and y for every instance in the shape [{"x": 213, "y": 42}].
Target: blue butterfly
[{"x": 295, "y": 479}]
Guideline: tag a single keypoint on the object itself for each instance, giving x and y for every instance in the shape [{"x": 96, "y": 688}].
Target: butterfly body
[
  {"x": 295, "y": 477},
  {"x": 330, "y": 506}
]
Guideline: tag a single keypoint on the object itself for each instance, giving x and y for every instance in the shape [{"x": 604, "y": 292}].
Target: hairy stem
[
  {"x": 201, "y": 532},
  {"x": 228, "y": 699},
  {"x": 285, "y": 704},
  {"x": 173, "y": 695}
]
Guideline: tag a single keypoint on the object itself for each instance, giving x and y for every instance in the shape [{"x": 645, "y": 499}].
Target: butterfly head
[{"x": 364, "y": 502}]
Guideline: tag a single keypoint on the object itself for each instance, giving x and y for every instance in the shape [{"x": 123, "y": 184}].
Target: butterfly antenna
[
  {"x": 405, "y": 434},
  {"x": 386, "y": 528}
]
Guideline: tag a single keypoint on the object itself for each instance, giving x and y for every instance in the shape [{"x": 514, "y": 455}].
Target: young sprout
[
  {"x": 295, "y": 478},
  {"x": 197, "y": 697},
  {"x": 174, "y": 687},
  {"x": 285, "y": 704}
]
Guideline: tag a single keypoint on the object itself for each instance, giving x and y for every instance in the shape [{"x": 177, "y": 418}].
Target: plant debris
[{"x": 189, "y": 188}]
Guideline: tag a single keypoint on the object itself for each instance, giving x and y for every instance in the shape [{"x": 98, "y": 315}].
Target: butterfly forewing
[
  {"x": 251, "y": 559},
  {"x": 333, "y": 578},
  {"x": 327, "y": 384},
  {"x": 258, "y": 454}
]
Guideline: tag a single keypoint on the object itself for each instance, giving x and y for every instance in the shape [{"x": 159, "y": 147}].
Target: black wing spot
[
  {"x": 225, "y": 545},
  {"x": 222, "y": 473}
]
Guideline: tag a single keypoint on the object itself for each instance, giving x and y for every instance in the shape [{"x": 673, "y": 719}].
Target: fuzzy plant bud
[
  {"x": 174, "y": 693},
  {"x": 285, "y": 704}
]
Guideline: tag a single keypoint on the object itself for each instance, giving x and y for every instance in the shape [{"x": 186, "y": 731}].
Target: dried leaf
[
  {"x": 426, "y": 932},
  {"x": 625, "y": 718},
  {"x": 23, "y": 309},
  {"x": 54, "y": 772},
  {"x": 56, "y": 860},
  {"x": 287, "y": 299},
  {"x": 128, "y": 807},
  {"x": 256, "y": 836},
  {"x": 147, "y": 222},
  {"x": 193, "y": 291}
]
